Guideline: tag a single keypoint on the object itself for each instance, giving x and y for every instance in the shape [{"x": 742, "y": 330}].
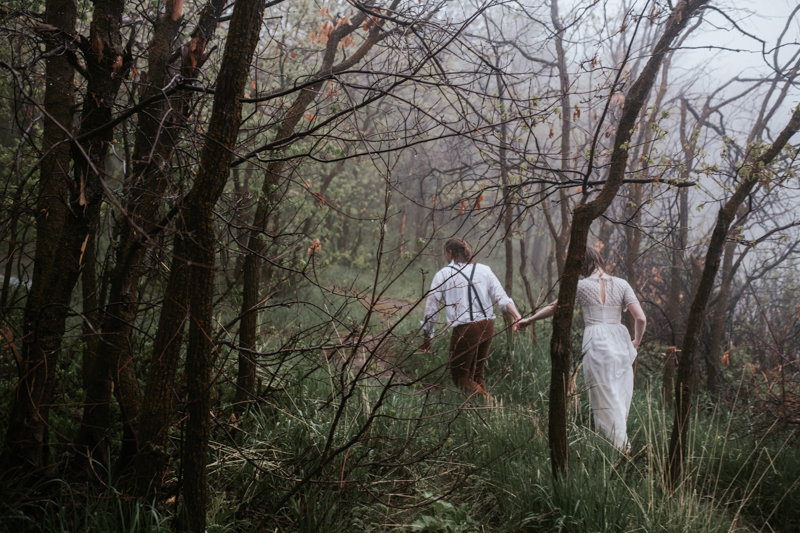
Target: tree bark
[
  {"x": 523, "y": 274},
  {"x": 561, "y": 236},
  {"x": 98, "y": 450},
  {"x": 718, "y": 318},
  {"x": 508, "y": 214},
  {"x": 668, "y": 381},
  {"x": 750, "y": 174},
  {"x": 158, "y": 404},
  {"x": 198, "y": 243},
  {"x": 583, "y": 215},
  {"x": 25, "y": 446},
  {"x": 156, "y": 141}
]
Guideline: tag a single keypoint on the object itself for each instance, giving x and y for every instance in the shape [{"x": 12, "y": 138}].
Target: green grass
[{"x": 420, "y": 457}]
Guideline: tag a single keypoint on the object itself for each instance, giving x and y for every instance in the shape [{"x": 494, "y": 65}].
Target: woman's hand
[
  {"x": 640, "y": 323},
  {"x": 543, "y": 313}
]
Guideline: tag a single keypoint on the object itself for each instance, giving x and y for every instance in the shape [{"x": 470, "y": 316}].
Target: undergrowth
[{"x": 409, "y": 453}]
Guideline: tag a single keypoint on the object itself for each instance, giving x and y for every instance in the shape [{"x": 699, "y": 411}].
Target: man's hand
[
  {"x": 426, "y": 345},
  {"x": 522, "y": 324}
]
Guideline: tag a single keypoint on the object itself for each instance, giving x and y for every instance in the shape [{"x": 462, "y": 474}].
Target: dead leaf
[
  {"x": 117, "y": 65},
  {"x": 315, "y": 247}
]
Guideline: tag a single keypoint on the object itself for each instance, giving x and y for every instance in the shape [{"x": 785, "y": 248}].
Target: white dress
[{"x": 608, "y": 354}]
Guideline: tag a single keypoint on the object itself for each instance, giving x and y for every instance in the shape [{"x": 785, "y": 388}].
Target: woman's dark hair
[
  {"x": 459, "y": 249},
  {"x": 592, "y": 262}
]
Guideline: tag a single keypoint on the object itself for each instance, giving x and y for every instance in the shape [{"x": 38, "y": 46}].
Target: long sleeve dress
[{"x": 608, "y": 354}]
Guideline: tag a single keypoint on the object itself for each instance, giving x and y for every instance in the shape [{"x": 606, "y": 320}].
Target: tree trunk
[
  {"x": 198, "y": 243},
  {"x": 668, "y": 381},
  {"x": 681, "y": 240},
  {"x": 156, "y": 141},
  {"x": 561, "y": 238},
  {"x": 718, "y": 318},
  {"x": 96, "y": 417},
  {"x": 676, "y": 269},
  {"x": 508, "y": 215},
  {"x": 523, "y": 273},
  {"x": 750, "y": 173},
  {"x": 582, "y": 218},
  {"x": 25, "y": 446},
  {"x": 158, "y": 403}
]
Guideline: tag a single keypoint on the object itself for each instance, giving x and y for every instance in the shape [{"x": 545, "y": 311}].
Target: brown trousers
[{"x": 469, "y": 350}]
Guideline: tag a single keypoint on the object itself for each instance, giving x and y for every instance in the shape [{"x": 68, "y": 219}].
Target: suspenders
[{"x": 470, "y": 290}]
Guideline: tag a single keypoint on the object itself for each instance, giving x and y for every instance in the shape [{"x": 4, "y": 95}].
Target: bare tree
[
  {"x": 753, "y": 170},
  {"x": 582, "y": 217}
]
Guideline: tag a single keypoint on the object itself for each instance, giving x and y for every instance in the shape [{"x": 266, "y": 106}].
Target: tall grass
[{"x": 428, "y": 459}]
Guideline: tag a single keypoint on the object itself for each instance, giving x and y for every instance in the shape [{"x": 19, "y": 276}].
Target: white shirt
[{"x": 449, "y": 284}]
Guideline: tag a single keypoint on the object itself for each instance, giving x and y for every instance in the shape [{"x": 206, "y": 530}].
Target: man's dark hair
[{"x": 459, "y": 249}]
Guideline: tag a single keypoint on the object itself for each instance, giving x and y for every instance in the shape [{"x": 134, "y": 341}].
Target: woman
[
  {"x": 609, "y": 352},
  {"x": 466, "y": 289}
]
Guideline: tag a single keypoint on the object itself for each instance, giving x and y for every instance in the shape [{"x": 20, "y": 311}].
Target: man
[{"x": 467, "y": 290}]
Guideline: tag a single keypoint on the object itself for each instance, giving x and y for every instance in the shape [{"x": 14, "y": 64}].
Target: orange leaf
[{"x": 315, "y": 246}]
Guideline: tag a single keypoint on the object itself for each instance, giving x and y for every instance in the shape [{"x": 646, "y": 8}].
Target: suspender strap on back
[{"x": 470, "y": 289}]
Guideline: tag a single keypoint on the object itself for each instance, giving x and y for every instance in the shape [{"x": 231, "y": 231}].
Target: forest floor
[{"x": 371, "y": 435}]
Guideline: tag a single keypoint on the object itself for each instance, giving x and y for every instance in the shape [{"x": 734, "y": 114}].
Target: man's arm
[
  {"x": 431, "y": 312},
  {"x": 498, "y": 294}
]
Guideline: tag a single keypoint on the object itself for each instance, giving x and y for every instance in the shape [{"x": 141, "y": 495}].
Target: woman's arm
[
  {"x": 641, "y": 322},
  {"x": 545, "y": 312}
]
